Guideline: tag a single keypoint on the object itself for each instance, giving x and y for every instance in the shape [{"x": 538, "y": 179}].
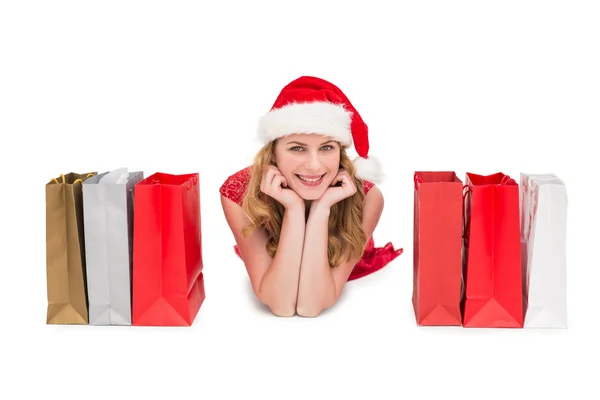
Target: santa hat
[{"x": 313, "y": 105}]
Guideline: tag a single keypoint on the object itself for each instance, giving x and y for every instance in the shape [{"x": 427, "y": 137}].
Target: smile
[{"x": 310, "y": 180}]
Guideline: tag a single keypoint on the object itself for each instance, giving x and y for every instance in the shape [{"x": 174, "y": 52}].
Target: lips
[{"x": 310, "y": 180}]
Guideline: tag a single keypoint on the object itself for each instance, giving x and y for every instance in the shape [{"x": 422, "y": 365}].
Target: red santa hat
[{"x": 313, "y": 105}]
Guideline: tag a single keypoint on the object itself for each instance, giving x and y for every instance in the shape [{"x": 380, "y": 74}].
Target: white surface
[{"x": 179, "y": 86}]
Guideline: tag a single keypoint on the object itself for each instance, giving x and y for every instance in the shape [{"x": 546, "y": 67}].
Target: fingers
[
  {"x": 272, "y": 179},
  {"x": 347, "y": 182},
  {"x": 345, "y": 179},
  {"x": 267, "y": 177},
  {"x": 342, "y": 176},
  {"x": 277, "y": 183},
  {"x": 338, "y": 178},
  {"x": 271, "y": 173}
]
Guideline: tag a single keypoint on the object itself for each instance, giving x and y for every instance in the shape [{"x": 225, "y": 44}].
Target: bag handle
[
  {"x": 466, "y": 220},
  {"x": 507, "y": 180},
  {"x": 418, "y": 180},
  {"x": 62, "y": 177}
]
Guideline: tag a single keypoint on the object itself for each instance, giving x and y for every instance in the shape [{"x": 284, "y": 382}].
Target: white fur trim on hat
[
  {"x": 322, "y": 118},
  {"x": 368, "y": 169}
]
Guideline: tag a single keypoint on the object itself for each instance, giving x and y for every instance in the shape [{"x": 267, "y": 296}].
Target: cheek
[
  {"x": 286, "y": 165},
  {"x": 333, "y": 162}
]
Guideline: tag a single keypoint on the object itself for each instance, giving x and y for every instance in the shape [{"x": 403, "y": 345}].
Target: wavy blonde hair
[{"x": 347, "y": 239}]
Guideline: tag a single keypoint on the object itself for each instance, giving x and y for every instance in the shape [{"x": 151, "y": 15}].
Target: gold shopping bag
[{"x": 65, "y": 250}]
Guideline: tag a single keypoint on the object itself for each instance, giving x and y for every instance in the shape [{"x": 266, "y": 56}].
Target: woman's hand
[
  {"x": 275, "y": 185},
  {"x": 334, "y": 193}
]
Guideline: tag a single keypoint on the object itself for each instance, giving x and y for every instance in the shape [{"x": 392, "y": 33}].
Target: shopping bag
[
  {"x": 437, "y": 251},
  {"x": 492, "y": 253},
  {"x": 168, "y": 281},
  {"x": 65, "y": 250},
  {"x": 108, "y": 222},
  {"x": 543, "y": 234}
]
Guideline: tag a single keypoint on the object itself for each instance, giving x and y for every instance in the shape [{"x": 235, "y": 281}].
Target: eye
[
  {"x": 327, "y": 147},
  {"x": 296, "y": 148}
]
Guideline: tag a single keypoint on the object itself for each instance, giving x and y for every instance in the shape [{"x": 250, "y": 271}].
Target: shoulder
[
  {"x": 373, "y": 206},
  {"x": 373, "y": 197},
  {"x": 235, "y": 185},
  {"x": 367, "y": 186}
]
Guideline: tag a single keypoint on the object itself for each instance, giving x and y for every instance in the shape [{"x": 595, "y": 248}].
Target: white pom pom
[{"x": 368, "y": 169}]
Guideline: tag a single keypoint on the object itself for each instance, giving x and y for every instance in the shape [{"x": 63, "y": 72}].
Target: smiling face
[{"x": 308, "y": 162}]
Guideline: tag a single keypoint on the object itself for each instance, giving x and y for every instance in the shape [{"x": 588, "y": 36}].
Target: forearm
[
  {"x": 279, "y": 285},
  {"x": 316, "y": 285}
]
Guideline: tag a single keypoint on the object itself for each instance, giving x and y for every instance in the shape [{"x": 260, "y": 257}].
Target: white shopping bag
[
  {"x": 108, "y": 221},
  {"x": 543, "y": 236}
]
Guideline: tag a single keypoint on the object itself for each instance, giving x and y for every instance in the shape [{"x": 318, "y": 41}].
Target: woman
[{"x": 303, "y": 215}]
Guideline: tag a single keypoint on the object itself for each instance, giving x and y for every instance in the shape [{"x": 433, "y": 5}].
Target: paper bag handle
[
  {"x": 418, "y": 180},
  {"x": 62, "y": 177},
  {"x": 466, "y": 221},
  {"x": 507, "y": 180}
]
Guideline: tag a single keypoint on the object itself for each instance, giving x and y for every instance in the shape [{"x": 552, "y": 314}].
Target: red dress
[{"x": 373, "y": 258}]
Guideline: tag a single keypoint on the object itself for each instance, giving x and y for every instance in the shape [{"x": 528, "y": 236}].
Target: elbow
[
  {"x": 314, "y": 307},
  {"x": 309, "y": 311},
  {"x": 282, "y": 310},
  {"x": 279, "y": 307}
]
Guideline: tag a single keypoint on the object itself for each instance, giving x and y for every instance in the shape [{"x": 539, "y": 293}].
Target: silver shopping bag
[
  {"x": 108, "y": 228},
  {"x": 543, "y": 239}
]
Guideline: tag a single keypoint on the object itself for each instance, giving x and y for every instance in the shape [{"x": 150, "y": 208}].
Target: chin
[{"x": 310, "y": 195}]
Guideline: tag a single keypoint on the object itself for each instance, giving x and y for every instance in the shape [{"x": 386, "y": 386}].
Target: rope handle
[
  {"x": 466, "y": 221},
  {"x": 62, "y": 177},
  {"x": 418, "y": 180},
  {"x": 507, "y": 180}
]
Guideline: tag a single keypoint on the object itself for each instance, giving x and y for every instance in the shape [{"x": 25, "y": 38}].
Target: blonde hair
[{"x": 346, "y": 240}]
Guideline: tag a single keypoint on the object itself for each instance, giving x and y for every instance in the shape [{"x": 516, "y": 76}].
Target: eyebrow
[{"x": 304, "y": 144}]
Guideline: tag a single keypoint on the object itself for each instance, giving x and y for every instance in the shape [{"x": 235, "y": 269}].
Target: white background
[{"x": 178, "y": 87}]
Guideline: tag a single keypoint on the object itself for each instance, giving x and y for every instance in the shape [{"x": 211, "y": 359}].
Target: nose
[{"x": 313, "y": 161}]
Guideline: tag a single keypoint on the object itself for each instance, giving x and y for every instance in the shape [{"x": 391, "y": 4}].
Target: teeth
[{"x": 309, "y": 180}]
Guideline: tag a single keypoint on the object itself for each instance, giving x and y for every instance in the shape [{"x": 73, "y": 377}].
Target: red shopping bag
[
  {"x": 437, "y": 255},
  {"x": 493, "y": 290},
  {"x": 168, "y": 283}
]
